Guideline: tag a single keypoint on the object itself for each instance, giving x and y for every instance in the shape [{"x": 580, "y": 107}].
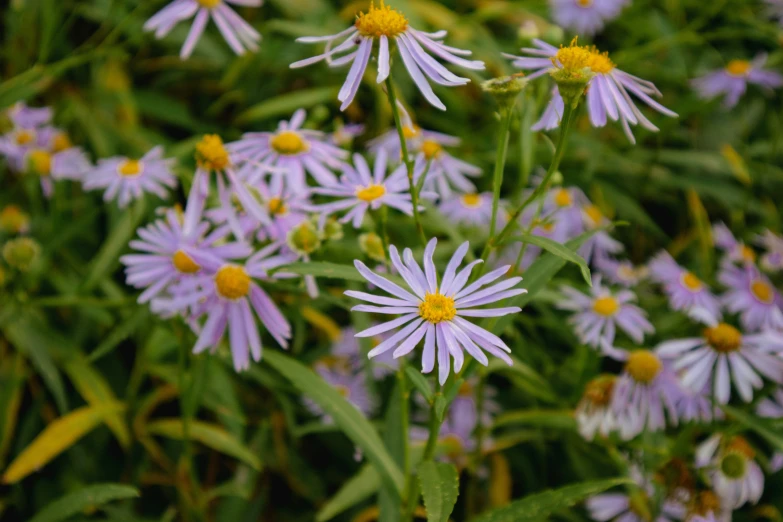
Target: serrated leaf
[
  {"x": 210, "y": 435},
  {"x": 760, "y": 426},
  {"x": 439, "y": 484},
  {"x": 57, "y": 437},
  {"x": 540, "y": 505},
  {"x": 559, "y": 250},
  {"x": 346, "y": 416},
  {"x": 287, "y": 103},
  {"x": 419, "y": 382},
  {"x": 83, "y": 499},
  {"x": 358, "y": 488}
]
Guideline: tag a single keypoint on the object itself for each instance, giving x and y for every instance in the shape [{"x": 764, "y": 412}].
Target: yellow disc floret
[
  {"x": 209, "y": 4},
  {"x": 381, "y": 21},
  {"x": 211, "y": 154},
  {"x": 572, "y": 58},
  {"x": 370, "y": 192},
  {"x": 13, "y": 220},
  {"x": 747, "y": 254},
  {"x": 599, "y": 62},
  {"x": 288, "y": 143},
  {"x": 563, "y": 198},
  {"x": 606, "y": 306},
  {"x": 599, "y": 391},
  {"x": 23, "y": 137},
  {"x": 762, "y": 291},
  {"x": 738, "y": 67},
  {"x": 471, "y": 200},
  {"x": 584, "y": 3},
  {"x": 431, "y": 149},
  {"x": 723, "y": 338},
  {"x": 61, "y": 142},
  {"x": 594, "y": 214},
  {"x": 691, "y": 282},
  {"x": 130, "y": 168},
  {"x": 277, "y": 206},
  {"x": 643, "y": 366},
  {"x": 41, "y": 162},
  {"x": 184, "y": 263},
  {"x": 437, "y": 308},
  {"x": 411, "y": 132},
  {"x": 232, "y": 282}
]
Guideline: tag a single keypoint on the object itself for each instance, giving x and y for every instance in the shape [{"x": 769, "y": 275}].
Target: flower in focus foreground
[
  {"x": 436, "y": 311},
  {"x": 732, "y": 81},
  {"x": 387, "y": 26}
]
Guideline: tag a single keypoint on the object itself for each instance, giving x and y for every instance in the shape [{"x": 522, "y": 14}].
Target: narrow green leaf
[
  {"x": 439, "y": 484},
  {"x": 323, "y": 269},
  {"x": 358, "y": 488},
  {"x": 83, "y": 499},
  {"x": 420, "y": 382},
  {"x": 563, "y": 419},
  {"x": 286, "y": 104},
  {"x": 347, "y": 417},
  {"x": 119, "y": 334},
  {"x": 559, "y": 250},
  {"x": 761, "y": 426}
]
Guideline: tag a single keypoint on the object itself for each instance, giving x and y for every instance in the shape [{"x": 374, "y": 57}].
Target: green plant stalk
[
  {"x": 406, "y": 159},
  {"x": 408, "y": 492},
  {"x": 500, "y": 165},
  {"x": 383, "y": 231},
  {"x": 471, "y": 499}
]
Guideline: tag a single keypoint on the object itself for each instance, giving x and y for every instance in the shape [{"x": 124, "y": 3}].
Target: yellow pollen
[
  {"x": 411, "y": 132},
  {"x": 211, "y": 154},
  {"x": 762, "y": 291},
  {"x": 740, "y": 445},
  {"x": 288, "y": 143},
  {"x": 471, "y": 200},
  {"x": 61, "y": 142},
  {"x": 12, "y": 219},
  {"x": 563, "y": 198},
  {"x": 431, "y": 149},
  {"x": 232, "y": 282},
  {"x": 643, "y": 366},
  {"x": 584, "y": 3},
  {"x": 691, "y": 282},
  {"x": 572, "y": 58},
  {"x": 437, "y": 308},
  {"x": 209, "y": 4},
  {"x": 23, "y": 137},
  {"x": 599, "y": 391},
  {"x": 184, "y": 263},
  {"x": 381, "y": 21},
  {"x": 723, "y": 338},
  {"x": 41, "y": 162},
  {"x": 594, "y": 213},
  {"x": 277, "y": 206},
  {"x": 606, "y": 306},
  {"x": 747, "y": 254},
  {"x": 370, "y": 192},
  {"x": 130, "y": 168},
  {"x": 738, "y": 67},
  {"x": 599, "y": 62}
]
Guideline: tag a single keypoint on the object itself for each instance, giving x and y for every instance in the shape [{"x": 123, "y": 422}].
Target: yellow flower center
[
  {"x": 594, "y": 213},
  {"x": 61, "y": 142},
  {"x": 288, "y": 143},
  {"x": 572, "y": 58},
  {"x": 691, "y": 282},
  {"x": 411, "y": 132},
  {"x": 584, "y": 3},
  {"x": 23, "y": 137},
  {"x": 342, "y": 390},
  {"x": 599, "y": 390},
  {"x": 12, "y": 219},
  {"x": 277, "y": 206},
  {"x": 740, "y": 445},
  {"x": 437, "y": 308},
  {"x": 184, "y": 263},
  {"x": 738, "y": 67},
  {"x": 209, "y": 4},
  {"x": 471, "y": 200},
  {"x": 723, "y": 338},
  {"x": 762, "y": 291},
  {"x": 563, "y": 198},
  {"x": 130, "y": 168},
  {"x": 643, "y": 366},
  {"x": 232, "y": 282},
  {"x": 599, "y": 62},
  {"x": 211, "y": 154},
  {"x": 370, "y": 192},
  {"x": 431, "y": 149},
  {"x": 41, "y": 162},
  {"x": 747, "y": 254},
  {"x": 381, "y": 21},
  {"x": 606, "y": 306}
]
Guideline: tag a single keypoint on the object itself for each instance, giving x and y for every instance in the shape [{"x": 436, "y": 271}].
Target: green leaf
[
  {"x": 559, "y": 250},
  {"x": 83, "y": 499},
  {"x": 420, "y": 382},
  {"x": 119, "y": 334},
  {"x": 358, "y": 488},
  {"x": 323, "y": 269},
  {"x": 563, "y": 419},
  {"x": 526, "y": 378},
  {"x": 439, "y": 483},
  {"x": 287, "y": 103},
  {"x": 209, "y": 435},
  {"x": 760, "y": 426},
  {"x": 540, "y": 506},
  {"x": 345, "y": 415}
]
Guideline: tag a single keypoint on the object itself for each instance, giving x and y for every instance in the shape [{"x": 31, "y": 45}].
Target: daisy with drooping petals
[
  {"x": 751, "y": 294},
  {"x": 227, "y": 295},
  {"x": 772, "y": 260},
  {"x": 598, "y": 315},
  {"x": 608, "y": 93},
  {"x": 685, "y": 291},
  {"x": 732, "y": 81},
  {"x": 474, "y": 210},
  {"x": 735, "y": 250},
  {"x": 288, "y": 153},
  {"x": 730, "y": 462},
  {"x": 723, "y": 356},
  {"x": 126, "y": 179},
  {"x": 437, "y": 311},
  {"x": 239, "y": 35},
  {"x": 585, "y": 16},
  {"x": 388, "y": 26}
]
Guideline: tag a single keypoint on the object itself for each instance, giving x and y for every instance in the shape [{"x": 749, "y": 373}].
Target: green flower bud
[
  {"x": 505, "y": 89},
  {"x": 304, "y": 239},
  {"x": 21, "y": 253},
  {"x": 372, "y": 245},
  {"x": 333, "y": 230}
]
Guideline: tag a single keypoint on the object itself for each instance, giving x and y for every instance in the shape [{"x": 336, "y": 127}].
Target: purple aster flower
[
  {"x": 600, "y": 245},
  {"x": 633, "y": 505},
  {"x": 772, "y": 260},
  {"x": 226, "y": 294},
  {"x": 732, "y": 81},
  {"x": 563, "y": 206},
  {"x": 553, "y": 113},
  {"x": 621, "y": 272},
  {"x": 26, "y": 117},
  {"x": 239, "y": 35},
  {"x": 474, "y": 210},
  {"x": 71, "y": 163},
  {"x": 750, "y": 294},
  {"x": 730, "y": 463},
  {"x": 724, "y": 355},
  {"x": 685, "y": 291},
  {"x": 771, "y": 407},
  {"x": 344, "y": 135},
  {"x": 352, "y": 386},
  {"x": 288, "y": 153},
  {"x": 598, "y": 315},
  {"x": 388, "y": 26},
  {"x": 348, "y": 346},
  {"x": 585, "y": 16},
  {"x": 735, "y": 251},
  {"x": 166, "y": 256},
  {"x": 437, "y": 311},
  {"x": 698, "y": 406},
  {"x": 608, "y": 92},
  {"x": 127, "y": 179}
]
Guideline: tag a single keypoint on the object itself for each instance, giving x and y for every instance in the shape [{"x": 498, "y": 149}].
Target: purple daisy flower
[
  {"x": 621, "y": 272},
  {"x": 387, "y": 26},
  {"x": 585, "y": 16},
  {"x": 49, "y": 165},
  {"x": 730, "y": 463},
  {"x": 563, "y": 206},
  {"x": 772, "y": 407},
  {"x": 698, "y": 406},
  {"x": 127, "y": 179},
  {"x": 227, "y": 295},
  {"x": 474, "y": 210},
  {"x": 348, "y": 346},
  {"x": 750, "y": 294},
  {"x": 608, "y": 93},
  {"x": 600, "y": 245},
  {"x": 288, "y": 153},
  {"x": 437, "y": 311},
  {"x": 344, "y": 135},
  {"x": 598, "y": 315},
  {"x": 732, "y": 81},
  {"x": 685, "y": 291},
  {"x": 735, "y": 250},
  {"x": 25, "y": 117},
  {"x": 239, "y": 35},
  {"x": 772, "y": 260},
  {"x": 352, "y": 386},
  {"x": 723, "y": 356}
]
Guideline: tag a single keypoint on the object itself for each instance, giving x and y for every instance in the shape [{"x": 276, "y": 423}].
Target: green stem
[
  {"x": 471, "y": 501},
  {"x": 383, "y": 231},
  {"x": 500, "y": 165},
  {"x": 406, "y": 159}
]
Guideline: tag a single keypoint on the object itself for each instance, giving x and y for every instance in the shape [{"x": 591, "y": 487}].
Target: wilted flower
[
  {"x": 685, "y": 290},
  {"x": 732, "y": 81},
  {"x": 600, "y": 245},
  {"x": 387, "y": 26},
  {"x": 594, "y": 414},
  {"x": 585, "y": 16},
  {"x": 736, "y": 477},
  {"x": 21, "y": 253}
]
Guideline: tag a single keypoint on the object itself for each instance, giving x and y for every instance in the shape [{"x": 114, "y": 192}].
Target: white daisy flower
[{"x": 736, "y": 477}]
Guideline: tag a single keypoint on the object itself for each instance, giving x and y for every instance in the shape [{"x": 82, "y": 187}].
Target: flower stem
[
  {"x": 383, "y": 231},
  {"x": 500, "y": 165},
  {"x": 406, "y": 159}
]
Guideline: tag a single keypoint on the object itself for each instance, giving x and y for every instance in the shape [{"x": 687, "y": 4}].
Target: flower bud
[
  {"x": 304, "y": 238},
  {"x": 505, "y": 89},
  {"x": 333, "y": 230},
  {"x": 21, "y": 253},
  {"x": 372, "y": 245}
]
